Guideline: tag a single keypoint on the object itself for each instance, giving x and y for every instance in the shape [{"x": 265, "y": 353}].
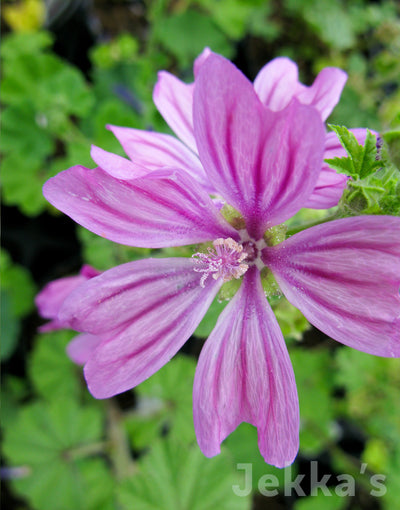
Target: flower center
[{"x": 224, "y": 261}]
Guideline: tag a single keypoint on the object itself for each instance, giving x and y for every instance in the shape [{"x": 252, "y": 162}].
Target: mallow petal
[
  {"x": 345, "y": 277},
  {"x": 276, "y": 83},
  {"x": 81, "y": 348},
  {"x": 199, "y": 61},
  {"x": 244, "y": 374},
  {"x": 166, "y": 208},
  {"x": 328, "y": 190},
  {"x": 51, "y": 297},
  {"x": 156, "y": 150},
  {"x": 174, "y": 100},
  {"x": 146, "y": 310},
  {"x": 263, "y": 163},
  {"x": 117, "y": 166},
  {"x": 324, "y": 93}
]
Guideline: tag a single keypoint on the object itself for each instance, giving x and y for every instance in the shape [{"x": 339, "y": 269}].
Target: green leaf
[
  {"x": 342, "y": 165},
  {"x": 104, "y": 254},
  {"x": 123, "y": 48},
  {"x": 25, "y": 133},
  {"x": 186, "y": 34},
  {"x": 376, "y": 455},
  {"x": 209, "y": 321},
  {"x": 371, "y": 385},
  {"x": 291, "y": 321},
  {"x": 22, "y": 181},
  {"x": 379, "y": 193},
  {"x": 320, "y": 500},
  {"x": 243, "y": 446},
  {"x": 13, "y": 392},
  {"x": 392, "y": 139},
  {"x": 17, "y": 282},
  {"x": 53, "y": 87},
  {"x": 54, "y": 443},
  {"x": 54, "y": 375},
  {"x": 233, "y": 16},
  {"x": 313, "y": 370},
  {"x": 330, "y": 21},
  {"x": 362, "y": 160},
  {"x": 175, "y": 477},
  {"x": 391, "y": 482},
  {"x": 9, "y": 327},
  {"x": 24, "y": 43},
  {"x": 165, "y": 401}
]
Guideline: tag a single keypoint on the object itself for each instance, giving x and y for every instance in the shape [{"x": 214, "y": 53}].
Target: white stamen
[{"x": 224, "y": 261}]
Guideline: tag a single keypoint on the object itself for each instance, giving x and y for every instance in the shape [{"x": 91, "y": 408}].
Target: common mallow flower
[
  {"x": 49, "y": 302},
  {"x": 343, "y": 275}
]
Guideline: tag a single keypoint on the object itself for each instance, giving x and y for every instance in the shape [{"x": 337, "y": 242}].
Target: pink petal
[
  {"x": 52, "y": 325},
  {"x": 117, "y": 166},
  {"x": 324, "y": 93},
  {"x": 155, "y": 150},
  {"x": 345, "y": 277},
  {"x": 88, "y": 271},
  {"x": 328, "y": 190},
  {"x": 263, "y": 163},
  {"x": 174, "y": 100},
  {"x": 276, "y": 83},
  {"x": 201, "y": 59},
  {"x": 167, "y": 208},
  {"x": 244, "y": 374},
  {"x": 146, "y": 309},
  {"x": 51, "y": 297},
  {"x": 82, "y": 347}
]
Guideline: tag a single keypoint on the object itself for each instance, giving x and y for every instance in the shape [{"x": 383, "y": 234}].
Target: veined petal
[
  {"x": 328, "y": 190},
  {"x": 263, "y": 163},
  {"x": 276, "y": 83},
  {"x": 51, "y": 297},
  {"x": 345, "y": 277},
  {"x": 146, "y": 309},
  {"x": 156, "y": 150},
  {"x": 324, "y": 93},
  {"x": 174, "y": 100},
  {"x": 81, "y": 348},
  {"x": 166, "y": 208},
  {"x": 244, "y": 374},
  {"x": 117, "y": 166}
]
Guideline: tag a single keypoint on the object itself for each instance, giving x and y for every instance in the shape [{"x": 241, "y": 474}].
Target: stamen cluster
[{"x": 224, "y": 261}]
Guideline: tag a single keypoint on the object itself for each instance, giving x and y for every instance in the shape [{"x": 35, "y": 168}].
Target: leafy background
[{"x": 69, "y": 68}]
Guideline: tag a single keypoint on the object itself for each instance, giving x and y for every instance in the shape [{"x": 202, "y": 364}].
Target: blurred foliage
[
  {"x": 17, "y": 294},
  {"x": 71, "y": 451},
  {"x": 25, "y": 16},
  {"x": 374, "y": 187}
]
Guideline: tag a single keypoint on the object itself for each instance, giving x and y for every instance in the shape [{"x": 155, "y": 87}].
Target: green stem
[
  {"x": 85, "y": 450},
  {"x": 121, "y": 457},
  {"x": 299, "y": 228}
]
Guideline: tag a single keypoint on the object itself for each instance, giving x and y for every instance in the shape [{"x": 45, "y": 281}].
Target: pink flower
[
  {"x": 49, "y": 302},
  {"x": 276, "y": 85},
  {"x": 343, "y": 275}
]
